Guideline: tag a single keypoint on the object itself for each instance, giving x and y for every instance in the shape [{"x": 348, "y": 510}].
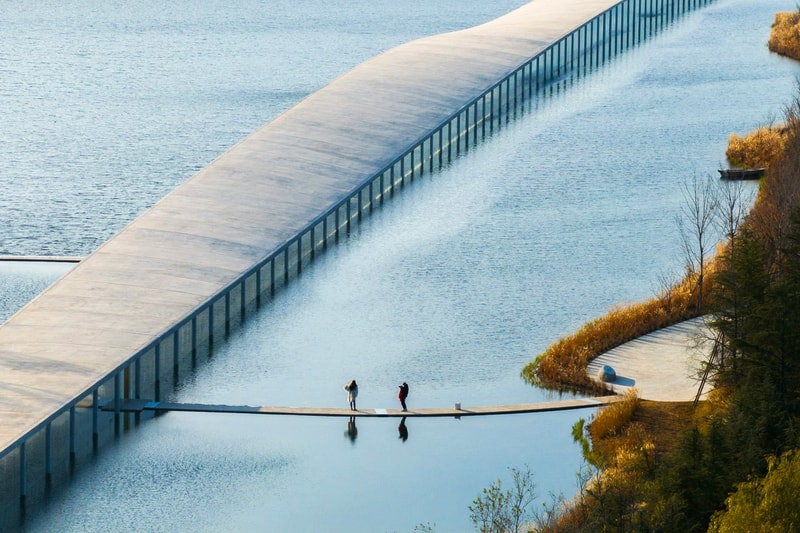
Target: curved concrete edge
[{"x": 664, "y": 365}]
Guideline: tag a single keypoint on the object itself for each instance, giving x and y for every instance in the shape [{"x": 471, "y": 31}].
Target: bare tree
[
  {"x": 735, "y": 201},
  {"x": 696, "y": 221}
]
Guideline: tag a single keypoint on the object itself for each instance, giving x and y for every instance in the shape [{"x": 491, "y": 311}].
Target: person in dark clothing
[{"x": 403, "y": 394}]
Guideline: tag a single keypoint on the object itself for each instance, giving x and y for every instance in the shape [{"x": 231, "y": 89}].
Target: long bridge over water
[{"x": 132, "y": 318}]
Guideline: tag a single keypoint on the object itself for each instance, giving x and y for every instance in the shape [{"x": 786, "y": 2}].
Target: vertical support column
[
  {"x": 300, "y": 242},
  {"x": 631, "y": 23},
  {"x": 286, "y": 263},
  {"x": 272, "y": 276},
  {"x": 371, "y": 197},
  {"x": 458, "y": 134},
  {"x": 194, "y": 341},
  {"x": 508, "y": 99},
  {"x": 491, "y": 111},
  {"x": 499, "y": 107},
  {"x": 48, "y": 454},
  {"x": 175, "y": 357},
  {"x": 243, "y": 297},
  {"x": 117, "y": 402},
  {"x": 157, "y": 391},
  {"x": 258, "y": 281},
  {"x": 95, "y": 424},
  {"x": 72, "y": 453},
  {"x": 227, "y": 313},
  {"x": 23, "y": 474},
  {"x": 137, "y": 369},
  {"x": 449, "y": 141},
  {"x": 210, "y": 325},
  {"x": 475, "y": 118},
  {"x": 642, "y": 22}
]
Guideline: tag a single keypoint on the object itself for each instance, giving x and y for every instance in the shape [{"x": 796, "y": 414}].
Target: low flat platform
[
  {"x": 663, "y": 365},
  {"x": 558, "y": 405}
]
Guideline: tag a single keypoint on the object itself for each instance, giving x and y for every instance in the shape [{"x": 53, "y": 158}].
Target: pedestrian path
[
  {"x": 664, "y": 365},
  {"x": 456, "y": 411}
]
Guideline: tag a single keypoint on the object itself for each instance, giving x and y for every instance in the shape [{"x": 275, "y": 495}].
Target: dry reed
[
  {"x": 758, "y": 149},
  {"x": 785, "y": 36},
  {"x": 613, "y": 417}
]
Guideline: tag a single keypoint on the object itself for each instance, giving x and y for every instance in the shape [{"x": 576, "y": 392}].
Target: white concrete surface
[{"x": 665, "y": 365}]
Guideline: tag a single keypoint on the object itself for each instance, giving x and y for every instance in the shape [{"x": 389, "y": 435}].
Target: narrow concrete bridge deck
[
  {"x": 246, "y": 203},
  {"x": 540, "y": 407}
]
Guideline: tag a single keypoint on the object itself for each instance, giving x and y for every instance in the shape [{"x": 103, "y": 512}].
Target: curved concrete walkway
[{"x": 663, "y": 365}]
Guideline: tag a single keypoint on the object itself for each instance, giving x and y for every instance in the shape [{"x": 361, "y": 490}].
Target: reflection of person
[
  {"x": 403, "y": 430},
  {"x": 403, "y": 394},
  {"x": 352, "y": 394},
  {"x": 352, "y": 431}
]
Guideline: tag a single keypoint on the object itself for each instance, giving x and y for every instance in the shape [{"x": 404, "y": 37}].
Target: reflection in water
[
  {"x": 352, "y": 431},
  {"x": 403, "y": 430}
]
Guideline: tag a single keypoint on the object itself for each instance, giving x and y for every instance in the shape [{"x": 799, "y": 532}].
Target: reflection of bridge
[{"x": 138, "y": 406}]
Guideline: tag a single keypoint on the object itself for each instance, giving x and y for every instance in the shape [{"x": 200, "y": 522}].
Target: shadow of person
[
  {"x": 352, "y": 431},
  {"x": 402, "y": 430}
]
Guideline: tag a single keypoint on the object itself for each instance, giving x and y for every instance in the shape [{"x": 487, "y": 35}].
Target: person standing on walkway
[
  {"x": 403, "y": 394},
  {"x": 352, "y": 393}
]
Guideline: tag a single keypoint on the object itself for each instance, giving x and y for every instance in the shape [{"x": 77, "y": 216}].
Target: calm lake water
[{"x": 454, "y": 286}]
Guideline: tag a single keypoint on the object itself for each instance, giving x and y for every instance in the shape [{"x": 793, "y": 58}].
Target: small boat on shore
[{"x": 741, "y": 173}]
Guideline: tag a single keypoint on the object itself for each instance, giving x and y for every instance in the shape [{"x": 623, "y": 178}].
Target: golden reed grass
[
  {"x": 785, "y": 36},
  {"x": 562, "y": 365},
  {"x": 613, "y": 417},
  {"x": 758, "y": 149}
]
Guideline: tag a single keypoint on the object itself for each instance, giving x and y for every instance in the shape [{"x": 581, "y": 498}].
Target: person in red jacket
[{"x": 403, "y": 394}]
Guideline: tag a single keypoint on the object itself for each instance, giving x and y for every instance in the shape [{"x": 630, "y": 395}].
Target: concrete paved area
[{"x": 663, "y": 365}]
